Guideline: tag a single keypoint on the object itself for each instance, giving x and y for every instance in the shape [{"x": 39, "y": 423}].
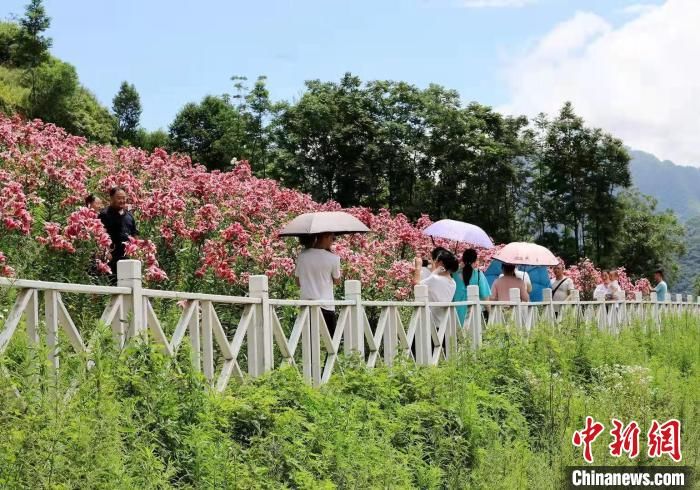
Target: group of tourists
[{"x": 318, "y": 269}]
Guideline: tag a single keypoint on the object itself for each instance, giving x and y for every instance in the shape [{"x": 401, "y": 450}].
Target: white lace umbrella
[
  {"x": 459, "y": 231},
  {"x": 336, "y": 222}
]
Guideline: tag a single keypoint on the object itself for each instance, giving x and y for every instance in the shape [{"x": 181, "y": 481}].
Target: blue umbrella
[{"x": 539, "y": 277}]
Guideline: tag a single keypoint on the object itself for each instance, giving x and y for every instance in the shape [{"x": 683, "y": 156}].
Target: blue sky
[{"x": 177, "y": 51}]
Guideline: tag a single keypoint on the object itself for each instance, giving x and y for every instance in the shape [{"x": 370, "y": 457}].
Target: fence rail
[{"x": 256, "y": 340}]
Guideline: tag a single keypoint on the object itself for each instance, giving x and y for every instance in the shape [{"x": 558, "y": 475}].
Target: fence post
[
  {"x": 260, "y": 331},
  {"x": 473, "y": 295},
  {"x": 514, "y": 297},
  {"x": 603, "y": 318},
  {"x": 353, "y": 336},
  {"x": 575, "y": 299},
  {"x": 613, "y": 316},
  {"x": 207, "y": 339},
  {"x": 635, "y": 311},
  {"x": 549, "y": 308},
  {"x": 423, "y": 338},
  {"x": 390, "y": 335},
  {"x": 195, "y": 338},
  {"x": 690, "y": 308},
  {"x": 653, "y": 297},
  {"x": 51, "y": 317},
  {"x": 129, "y": 276}
]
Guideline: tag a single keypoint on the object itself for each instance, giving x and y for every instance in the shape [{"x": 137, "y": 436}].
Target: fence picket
[
  {"x": 68, "y": 326},
  {"x": 14, "y": 317}
]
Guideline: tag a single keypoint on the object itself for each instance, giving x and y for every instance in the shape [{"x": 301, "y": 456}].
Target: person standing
[
  {"x": 427, "y": 264},
  {"x": 562, "y": 287},
  {"x": 661, "y": 287},
  {"x": 616, "y": 291},
  {"x": 500, "y": 291},
  {"x": 93, "y": 202},
  {"x": 441, "y": 286},
  {"x": 602, "y": 290},
  {"x": 119, "y": 224},
  {"x": 469, "y": 275},
  {"x": 525, "y": 278},
  {"x": 317, "y": 271}
]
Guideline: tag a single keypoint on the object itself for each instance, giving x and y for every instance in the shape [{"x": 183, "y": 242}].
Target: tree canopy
[{"x": 126, "y": 106}]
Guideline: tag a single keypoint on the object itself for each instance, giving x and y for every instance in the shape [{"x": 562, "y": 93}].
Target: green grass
[{"x": 502, "y": 420}]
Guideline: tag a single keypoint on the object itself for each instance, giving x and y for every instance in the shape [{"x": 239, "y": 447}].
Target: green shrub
[{"x": 500, "y": 419}]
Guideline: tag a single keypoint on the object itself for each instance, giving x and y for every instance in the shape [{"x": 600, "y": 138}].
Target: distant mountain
[{"x": 676, "y": 187}]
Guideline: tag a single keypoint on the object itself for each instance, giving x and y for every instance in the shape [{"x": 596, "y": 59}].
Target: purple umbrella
[{"x": 459, "y": 231}]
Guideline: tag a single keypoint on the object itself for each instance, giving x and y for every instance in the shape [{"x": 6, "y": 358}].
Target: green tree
[
  {"x": 690, "y": 262},
  {"x": 609, "y": 172},
  {"x": 647, "y": 239},
  {"x": 323, "y": 141},
  {"x": 89, "y": 118},
  {"x": 398, "y": 169},
  {"x": 577, "y": 173},
  {"x": 126, "y": 106},
  {"x": 390, "y": 144},
  {"x": 257, "y": 111},
  {"x": 150, "y": 140},
  {"x": 9, "y": 38},
  {"x": 32, "y": 46},
  {"x": 479, "y": 166},
  {"x": 211, "y": 132},
  {"x": 60, "y": 99},
  {"x": 56, "y": 83}
]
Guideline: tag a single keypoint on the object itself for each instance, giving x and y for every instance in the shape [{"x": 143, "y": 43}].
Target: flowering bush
[
  {"x": 586, "y": 277},
  {"x": 199, "y": 230}
]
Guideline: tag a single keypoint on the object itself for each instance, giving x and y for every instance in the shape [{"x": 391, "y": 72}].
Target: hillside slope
[{"x": 676, "y": 187}]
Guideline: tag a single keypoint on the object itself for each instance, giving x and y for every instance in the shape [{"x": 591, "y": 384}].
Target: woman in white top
[
  {"x": 616, "y": 292},
  {"x": 317, "y": 270},
  {"x": 441, "y": 286},
  {"x": 602, "y": 290},
  {"x": 427, "y": 266}
]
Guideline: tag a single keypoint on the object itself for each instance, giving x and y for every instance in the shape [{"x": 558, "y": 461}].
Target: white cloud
[
  {"x": 638, "y": 8},
  {"x": 496, "y": 3},
  {"x": 640, "y": 81}
]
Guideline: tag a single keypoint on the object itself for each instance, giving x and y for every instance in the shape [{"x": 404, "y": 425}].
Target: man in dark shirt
[{"x": 120, "y": 225}]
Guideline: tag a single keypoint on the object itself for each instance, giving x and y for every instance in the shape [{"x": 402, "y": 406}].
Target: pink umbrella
[{"x": 523, "y": 253}]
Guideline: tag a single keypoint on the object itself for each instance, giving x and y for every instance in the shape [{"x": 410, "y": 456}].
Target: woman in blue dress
[{"x": 469, "y": 275}]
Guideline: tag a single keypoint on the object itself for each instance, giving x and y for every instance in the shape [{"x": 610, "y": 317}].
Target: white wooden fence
[{"x": 259, "y": 341}]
